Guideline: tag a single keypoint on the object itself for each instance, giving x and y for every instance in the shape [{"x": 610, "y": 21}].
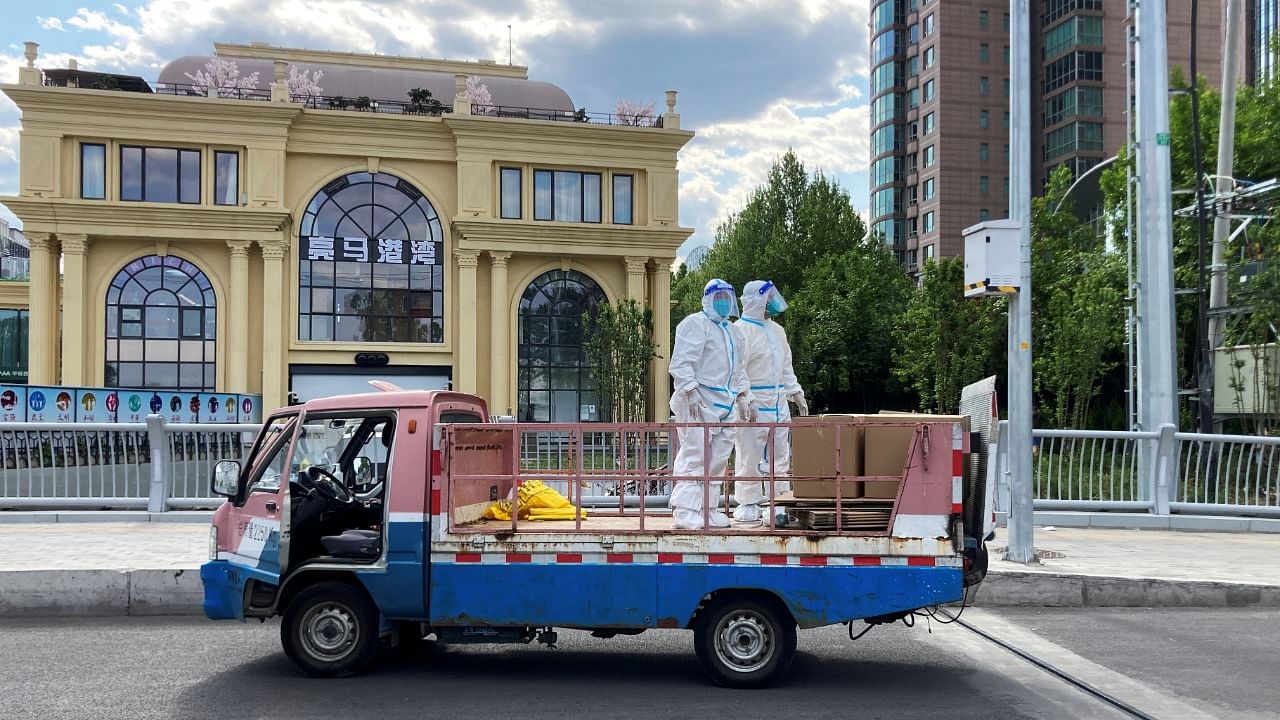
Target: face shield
[
  {"x": 718, "y": 300},
  {"x": 774, "y": 302}
]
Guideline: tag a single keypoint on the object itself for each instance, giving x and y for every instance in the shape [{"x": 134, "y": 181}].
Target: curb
[
  {"x": 15, "y": 517},
  {"x": 118, "y": 593},
  {"x": 100, "y": 593},
  {"x": 1035, "y": 589}
]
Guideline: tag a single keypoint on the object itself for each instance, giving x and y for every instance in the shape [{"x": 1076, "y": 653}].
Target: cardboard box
[
  {"x": 813, "y": 455},
  {"x": 886, "y": 446}
]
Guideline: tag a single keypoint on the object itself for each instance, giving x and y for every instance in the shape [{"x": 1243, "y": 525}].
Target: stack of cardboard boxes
[{"x": 868, "y": 452}]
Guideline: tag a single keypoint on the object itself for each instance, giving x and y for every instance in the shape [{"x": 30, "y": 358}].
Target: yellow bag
[{"x": 536, "y": 501}]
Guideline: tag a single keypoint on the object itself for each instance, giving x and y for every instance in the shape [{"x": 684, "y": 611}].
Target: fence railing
[
  {"x": 153, "y": 465},
  {"x": 1158, "y": 472}
]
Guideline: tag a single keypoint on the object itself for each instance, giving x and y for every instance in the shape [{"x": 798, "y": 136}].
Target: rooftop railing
[{"x": 383, "y": 106}]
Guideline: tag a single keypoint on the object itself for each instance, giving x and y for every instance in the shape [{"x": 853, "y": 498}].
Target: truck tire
[
  {"x": 330, "y": 630},
  {"x": 744, "y": 642}
]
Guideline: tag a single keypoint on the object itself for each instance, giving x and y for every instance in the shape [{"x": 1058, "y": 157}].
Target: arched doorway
[
  {"x": 161, "y": 326},
  {"x": 554, "y": 378}
]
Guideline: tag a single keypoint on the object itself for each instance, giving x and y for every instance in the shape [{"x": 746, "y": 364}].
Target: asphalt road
[
  {"x": 1224, "y": 662},
  {"x": 190, "y": 668}
]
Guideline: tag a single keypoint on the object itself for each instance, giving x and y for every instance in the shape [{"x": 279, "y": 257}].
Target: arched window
[
  {"x": 555, "y": 380},
  {"x": 370, "y": 263},
  {"x": 162, "y": 321}
]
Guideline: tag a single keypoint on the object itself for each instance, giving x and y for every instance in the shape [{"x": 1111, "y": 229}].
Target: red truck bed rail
[{"x": 620, "y": 474}]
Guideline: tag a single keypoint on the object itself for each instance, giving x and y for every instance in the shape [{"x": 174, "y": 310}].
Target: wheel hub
[
  {"x": 330, "y": 632},
  {"x": 743, "y": 641}
]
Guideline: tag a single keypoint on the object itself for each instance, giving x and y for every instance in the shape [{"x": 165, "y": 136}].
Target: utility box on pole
[{"x": 991, "y": 258}]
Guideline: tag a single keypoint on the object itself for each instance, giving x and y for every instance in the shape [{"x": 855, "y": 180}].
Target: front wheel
[
  {"x": 745, "y": 643},
  {"x": 330, "y": 630}
]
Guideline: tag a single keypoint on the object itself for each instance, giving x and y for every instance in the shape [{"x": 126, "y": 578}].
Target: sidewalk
[{"x": 151, "y": 568}]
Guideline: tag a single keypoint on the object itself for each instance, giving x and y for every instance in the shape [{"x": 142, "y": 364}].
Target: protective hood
[
  {"x": 719, "y": 290},
  {"x": 756, "y": 296}
]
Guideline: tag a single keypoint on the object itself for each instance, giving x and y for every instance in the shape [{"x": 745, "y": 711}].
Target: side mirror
[
  {"x": 226, "y": 478},
  {"x": 363, "y": 468}
]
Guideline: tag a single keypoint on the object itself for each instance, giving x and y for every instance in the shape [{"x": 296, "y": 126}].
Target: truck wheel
[
  {"x": 745, "y": 643},
  {"x": 330, "y": 630}
]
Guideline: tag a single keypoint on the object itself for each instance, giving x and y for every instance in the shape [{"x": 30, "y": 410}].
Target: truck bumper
[{"x": 223, "y": 590}]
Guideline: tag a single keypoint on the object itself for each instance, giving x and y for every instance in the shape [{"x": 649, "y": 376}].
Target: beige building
[{"x": 261, "y": 239}]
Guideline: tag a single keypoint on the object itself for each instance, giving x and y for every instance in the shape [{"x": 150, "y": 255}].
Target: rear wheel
[
  {"x": 330, "y": 630},
  {"x": 744, "y": 642}
]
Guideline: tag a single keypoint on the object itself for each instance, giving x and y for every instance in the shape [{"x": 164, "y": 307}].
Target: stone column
[
  {"x": 238, "y": 318},
  {"x": 461, "y": 103},
  {"x": 499, "y": 340},
  {"x": 660, "y": 387},
  {"x": 464, "y": 363},
  {"x": 42, "y": 330},
  {"x": 74, "y": 352},
  {"x": 636, "y": 267},
  {"x": 280, "y": 88},
  {"x": 274, "y": 381}
]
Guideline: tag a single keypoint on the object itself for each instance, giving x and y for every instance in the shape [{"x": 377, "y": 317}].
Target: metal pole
[
  {"x": 1157, "y": 399},
  {"x": 1234, "y": 19},
  {"x": 1021, "y": 515}
]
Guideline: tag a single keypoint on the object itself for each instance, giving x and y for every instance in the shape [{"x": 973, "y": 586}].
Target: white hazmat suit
[
  {"x": 767, "y": 358},
  {"x": 708, "y": 386}
]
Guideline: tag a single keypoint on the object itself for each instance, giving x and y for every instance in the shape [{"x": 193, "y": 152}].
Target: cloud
[
  {"x": 725, "y": 162},
  {"x": 755, "y": 77},
  {"x": 9, "y": 144}
]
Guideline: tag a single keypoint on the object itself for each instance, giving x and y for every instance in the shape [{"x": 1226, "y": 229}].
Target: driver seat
[{"x": 362, "y": 544}]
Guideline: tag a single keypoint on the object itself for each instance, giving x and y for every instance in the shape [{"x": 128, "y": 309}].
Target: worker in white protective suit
[
  {"x": 767, "y": 358},
  {"x": 709, "y": 385}
]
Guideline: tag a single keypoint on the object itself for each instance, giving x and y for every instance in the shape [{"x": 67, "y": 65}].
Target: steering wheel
[{"x": 328, "y": 486}]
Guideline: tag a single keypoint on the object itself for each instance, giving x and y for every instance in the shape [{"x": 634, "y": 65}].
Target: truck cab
[{"x": 314, "y": 504}]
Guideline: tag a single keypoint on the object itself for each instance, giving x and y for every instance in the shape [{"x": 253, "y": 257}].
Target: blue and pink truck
[{"x": 366, "y": 521}]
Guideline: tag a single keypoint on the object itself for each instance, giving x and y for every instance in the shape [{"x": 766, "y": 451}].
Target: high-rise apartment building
[
  {"x": 1262, "y": 22},
  {"x": 940, "y": 105}
]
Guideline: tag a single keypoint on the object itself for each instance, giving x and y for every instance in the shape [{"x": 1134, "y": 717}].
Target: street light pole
[
  {"x": 1021, "y": 515},
  {"x": 1157, "y": 399},
  {"x": 1226, "y": 155}
]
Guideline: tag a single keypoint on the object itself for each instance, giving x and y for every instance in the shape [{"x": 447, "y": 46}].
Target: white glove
[
  {"x": 801, "y": 404},
  {"x": 746, "y": 413}
]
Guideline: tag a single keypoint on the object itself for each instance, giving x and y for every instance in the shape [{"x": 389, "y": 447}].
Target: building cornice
[
  {"x": 480, "y": 131},
  {"x": 551, "y": 238},
  {"x": 262, "y": 51},
  {"x": 65, "y": 108},
  {"x": 64, "y": 216}
]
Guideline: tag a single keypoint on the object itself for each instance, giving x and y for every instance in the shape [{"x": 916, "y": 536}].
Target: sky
[{"x": 755, "y": 77}]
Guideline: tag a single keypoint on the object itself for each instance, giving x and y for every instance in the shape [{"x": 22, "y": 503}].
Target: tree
[
  {"x": 803, "y": 233},
  {"x": 634, "y": 113},
  {"x": 224, "y": 77},
  {"x": 1078, "y": 299},
  {"x": 842, "y": 321},
  {"x": 478, "y": 93},
  {"x": 946, "y": 341},
  {"x": 302, "y": 84},
  {"x": 619, "y": 344}
]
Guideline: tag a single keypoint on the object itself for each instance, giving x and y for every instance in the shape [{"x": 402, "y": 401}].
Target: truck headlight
[{"x": 213, "y": 542}]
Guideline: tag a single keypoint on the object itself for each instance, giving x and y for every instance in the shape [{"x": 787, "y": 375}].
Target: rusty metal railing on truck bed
[{"x": 488, "y": 463}]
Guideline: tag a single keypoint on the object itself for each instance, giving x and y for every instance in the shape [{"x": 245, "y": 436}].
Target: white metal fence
[
  {"x": 152, "y": 465},
  {"x": 1157, "y": 472}
]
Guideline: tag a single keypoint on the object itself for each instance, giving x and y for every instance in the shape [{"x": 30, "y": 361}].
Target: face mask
[
  {"x": 774, "y": 306},
  {"x": 722, "y": 306}
]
